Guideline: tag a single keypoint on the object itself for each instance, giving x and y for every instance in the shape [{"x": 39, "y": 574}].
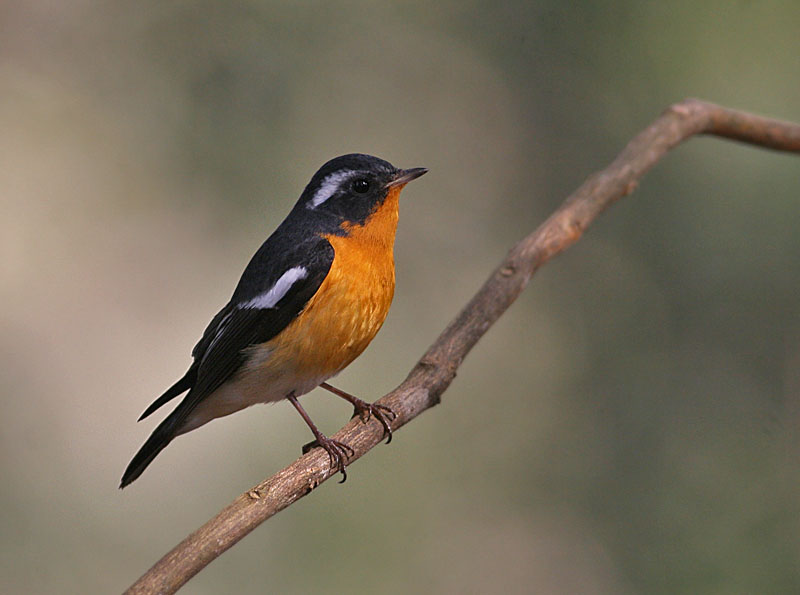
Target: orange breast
[{"x": 351, "y": 304}]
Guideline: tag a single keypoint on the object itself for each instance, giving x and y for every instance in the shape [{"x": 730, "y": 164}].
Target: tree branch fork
[{"x": 437, "y": 368}]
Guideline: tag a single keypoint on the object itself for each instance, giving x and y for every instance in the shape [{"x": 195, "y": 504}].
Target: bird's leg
[
  {"x": 338, "y": 452},
  {"x": 364, "y": 410}
]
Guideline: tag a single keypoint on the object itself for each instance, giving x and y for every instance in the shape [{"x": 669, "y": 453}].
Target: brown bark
[{"x": 431, "y": 376}]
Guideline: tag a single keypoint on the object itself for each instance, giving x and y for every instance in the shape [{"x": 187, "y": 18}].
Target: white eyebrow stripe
[
  {"x": 274, "y": 294},
  {"x": 328, "y": 186}
]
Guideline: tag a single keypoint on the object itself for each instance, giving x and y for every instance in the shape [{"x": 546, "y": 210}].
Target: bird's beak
[{"x": 404, "y": 176}]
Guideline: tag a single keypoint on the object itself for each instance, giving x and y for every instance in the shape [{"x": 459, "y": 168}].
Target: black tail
[
  {"x": 173, "y": 391},
  {"x": 161, "y": 436}
]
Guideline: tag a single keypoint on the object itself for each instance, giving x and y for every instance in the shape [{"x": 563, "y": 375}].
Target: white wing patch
[
  {"x": 274, "y": 294},
  {"x": 265, "y": 300},
  {"x": 330, "y": 184}
]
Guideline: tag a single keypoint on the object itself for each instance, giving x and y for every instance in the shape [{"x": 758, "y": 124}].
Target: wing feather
[{"x": 218, "y": 354}]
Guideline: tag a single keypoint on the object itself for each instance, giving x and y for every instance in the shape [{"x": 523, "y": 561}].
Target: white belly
[{"x": 246, "y": 390}]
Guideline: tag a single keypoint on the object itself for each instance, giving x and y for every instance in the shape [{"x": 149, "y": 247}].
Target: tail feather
[
  {"x": 173, "y": 391},
  {"x": 158, "y": 440}
]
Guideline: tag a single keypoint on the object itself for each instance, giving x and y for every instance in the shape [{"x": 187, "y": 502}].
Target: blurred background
[{"x": 629, "y": 426}]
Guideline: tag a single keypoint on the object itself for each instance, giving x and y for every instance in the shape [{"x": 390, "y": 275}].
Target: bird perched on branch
[{"x": 309, "y": 302}]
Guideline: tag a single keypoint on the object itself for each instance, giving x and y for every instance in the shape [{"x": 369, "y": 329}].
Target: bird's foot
[
  {"x": 338, "y": 453},
  {"x": 382, "y": 413},
  {"x": 366, "y": 410}
]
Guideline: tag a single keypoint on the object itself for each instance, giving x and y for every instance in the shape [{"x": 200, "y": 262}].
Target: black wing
[
  {"x": 244, "y": 327},
  {"x": 219, "y": 353}
]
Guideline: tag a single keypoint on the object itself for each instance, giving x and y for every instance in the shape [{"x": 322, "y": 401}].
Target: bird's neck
[{"x": 379, "y": 228}]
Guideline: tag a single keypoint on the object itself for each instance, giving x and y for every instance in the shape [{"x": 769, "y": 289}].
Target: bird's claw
[
  {"x": 338, "y": 453},
  {"x": 382, "y": 413}
]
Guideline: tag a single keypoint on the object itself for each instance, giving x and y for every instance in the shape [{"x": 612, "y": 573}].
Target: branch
[{"x": 436, "y": 369}]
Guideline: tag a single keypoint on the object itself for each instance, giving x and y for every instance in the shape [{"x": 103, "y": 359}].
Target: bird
[{"x": 310, "y": 300}]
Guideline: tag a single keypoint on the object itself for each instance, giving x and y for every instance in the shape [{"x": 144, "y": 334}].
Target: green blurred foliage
[{"x": 630, "y": 426}]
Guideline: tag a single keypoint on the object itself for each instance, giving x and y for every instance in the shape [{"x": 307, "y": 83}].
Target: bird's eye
[{"x": 361, "y": 186}]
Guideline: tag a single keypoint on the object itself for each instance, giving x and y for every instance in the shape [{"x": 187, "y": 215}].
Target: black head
[{"x": 351, "y": 187}]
